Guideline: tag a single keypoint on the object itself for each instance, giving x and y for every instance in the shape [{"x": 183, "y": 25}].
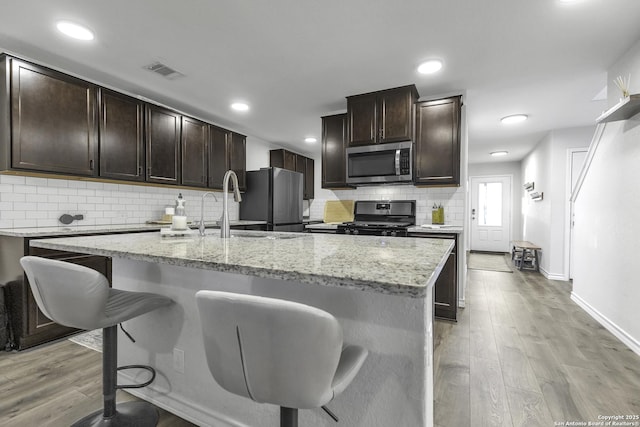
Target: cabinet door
[
  {"x": 276, "y": 158},
  {"x": 446, "y": 290},
  {"x": 163, "y": 145},
  {"x": 437, "y": 156},
  {"x": 121, "y": 136},
  {"x": 396, "y": 115},
  {"x": 195, "y": 138},
  {"x": 301, "y": 166},
  {"x": 218, "y": 159},
  {"x": 53, "y": 127},
  {"x": 237, "y": 158},
  {"x": 363, "y": 124},
  {"x": 300, "y": 163},
  {"x": 309, "y": 179},
  {"x": 289, "y": 160},
  {"x": 334, "y": 140}
]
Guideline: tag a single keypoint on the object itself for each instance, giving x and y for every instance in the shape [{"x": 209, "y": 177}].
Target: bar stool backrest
[
  {"x": 69, "y": 294},
  {"x": 270, "y": 350}
]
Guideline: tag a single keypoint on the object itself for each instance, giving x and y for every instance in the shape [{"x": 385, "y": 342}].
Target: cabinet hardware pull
[
  {"x": 139, "y": 170},
  {"x": 91, "y": 164}
]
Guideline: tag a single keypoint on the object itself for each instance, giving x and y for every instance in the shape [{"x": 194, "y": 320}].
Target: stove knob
[
  {"x": 347, "y": 231},
  {"x": 355, "y": 232},
  {"x": 384, "y": 233},
  {"x": 393, "y": 233}
]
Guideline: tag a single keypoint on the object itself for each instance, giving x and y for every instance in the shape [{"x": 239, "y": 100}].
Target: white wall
[
  {"x": 39, "y": 202},
  {"x": 514, "y": 170},
  {"x": 258, "y": 153},
  {"x": 543, "y": 222},
  {"x": 607, "y": 231}
]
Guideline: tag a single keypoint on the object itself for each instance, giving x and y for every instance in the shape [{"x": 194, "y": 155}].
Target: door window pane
[{"x": 490, "y": 204}]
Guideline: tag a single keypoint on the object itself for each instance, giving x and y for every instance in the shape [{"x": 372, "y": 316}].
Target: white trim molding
[
  {"x": 620, "y": 333},
  {"x": 552, "y": 276}
]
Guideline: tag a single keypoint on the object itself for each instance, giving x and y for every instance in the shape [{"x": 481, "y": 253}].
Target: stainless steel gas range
[{"x": 381, "y": 218}]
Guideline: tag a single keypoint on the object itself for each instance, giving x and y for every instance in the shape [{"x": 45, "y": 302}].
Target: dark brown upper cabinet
[
  {"x": 195, "y": 138},
  {"x": 53, "y": 120},
  {"x": 309, "y": 179},
  {"x": 238, "y": 158},
  {"x": 163, "y": 145},
  {"x": 334, "y": 144},
  {"x": 381, "y": 117},
  {"x": 286, "y": 159},
  {"x": 121, "y": 136},
  {"x": 282, "y": 158},
  {"x": 437, "y": 155},
  {"x": 55, "y": 123},
  {"x": 227, "y": 150}
]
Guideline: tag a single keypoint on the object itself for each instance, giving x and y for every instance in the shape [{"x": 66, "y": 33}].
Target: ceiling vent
[{"x": 163, "y": 70}]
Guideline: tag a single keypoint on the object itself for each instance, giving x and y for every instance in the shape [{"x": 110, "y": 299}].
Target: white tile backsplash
[
  {"x": 451, "y": 198},
  {"x": 39, "y": 202}
]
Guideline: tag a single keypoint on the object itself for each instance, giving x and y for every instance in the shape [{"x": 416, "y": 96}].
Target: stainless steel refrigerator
[{"x": 274, "y": 195}]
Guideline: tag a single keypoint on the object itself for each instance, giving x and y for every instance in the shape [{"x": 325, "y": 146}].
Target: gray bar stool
[
  {"x": 79, "y": 297},
  {"x": 275, "y": 351}
]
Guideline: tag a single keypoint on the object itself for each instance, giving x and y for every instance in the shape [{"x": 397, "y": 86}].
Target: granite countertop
[
  {"x": 73, "y": 229},
  {"x": 390, "y": 265},
  {"x": 429, "y": 228},
  {"x": 323, "y": 226}
]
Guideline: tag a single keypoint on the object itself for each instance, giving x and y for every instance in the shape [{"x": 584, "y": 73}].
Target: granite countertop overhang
[{"x": 389, "y": 265}]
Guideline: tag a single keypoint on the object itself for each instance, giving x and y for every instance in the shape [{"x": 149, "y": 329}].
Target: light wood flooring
[
  {"x": 524, "y": 354},
  {"x": 55, "y": 385}
]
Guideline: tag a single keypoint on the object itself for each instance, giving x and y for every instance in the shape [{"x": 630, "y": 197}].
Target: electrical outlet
[{"x": 178, "y": 360}]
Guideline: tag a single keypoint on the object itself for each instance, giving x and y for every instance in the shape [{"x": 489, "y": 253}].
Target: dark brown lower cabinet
[
  {"x": 446, "y": 286},
  {"x": 30, "y": 326}
]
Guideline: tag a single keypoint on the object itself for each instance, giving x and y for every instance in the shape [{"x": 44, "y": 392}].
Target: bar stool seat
[
  {"x": 276, "y": 351},
  {"x": 79, "y": 297}
]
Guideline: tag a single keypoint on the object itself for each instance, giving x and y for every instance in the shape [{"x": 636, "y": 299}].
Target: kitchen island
[{"x": 379, "y": 288}]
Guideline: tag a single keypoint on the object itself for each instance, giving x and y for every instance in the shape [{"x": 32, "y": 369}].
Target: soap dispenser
[{"x": 179, "y": 220}]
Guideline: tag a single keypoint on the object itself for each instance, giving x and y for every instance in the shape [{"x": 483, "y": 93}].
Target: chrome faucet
[
  {"x": 225, "y": 230},
  {"x": 201, "y": 226}
]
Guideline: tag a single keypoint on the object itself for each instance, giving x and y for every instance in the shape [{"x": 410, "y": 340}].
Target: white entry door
[{"x": 491, "y": 213}]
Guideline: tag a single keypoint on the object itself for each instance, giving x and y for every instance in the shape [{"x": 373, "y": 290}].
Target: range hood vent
[{"x": 164, "y": 70}]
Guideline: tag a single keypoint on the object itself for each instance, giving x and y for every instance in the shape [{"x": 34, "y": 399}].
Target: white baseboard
[
  {"x": 620, "y": 333},
  {"x": 552, "y": 276}
]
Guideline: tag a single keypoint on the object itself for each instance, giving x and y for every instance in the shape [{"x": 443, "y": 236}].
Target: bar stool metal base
[
  {"x": 288, "y": 417},
  {"x": 128, "y": 414}
]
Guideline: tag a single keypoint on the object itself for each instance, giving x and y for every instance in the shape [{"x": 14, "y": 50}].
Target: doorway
[{"x": 490, "y": 213}]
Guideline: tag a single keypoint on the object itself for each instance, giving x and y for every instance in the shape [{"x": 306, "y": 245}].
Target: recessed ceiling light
[
  {"x": 310, "y": 140},
  {"x": 515, "y": 118},
  {"x": 430, "y": 67},
  {"x": 74, "y": 30},
  {"x": 240, "y": 106},
  {"x": 499, "y": 153}
]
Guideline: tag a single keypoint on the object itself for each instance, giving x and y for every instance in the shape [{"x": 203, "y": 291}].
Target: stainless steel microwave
[{"x": 380, "y": 163}]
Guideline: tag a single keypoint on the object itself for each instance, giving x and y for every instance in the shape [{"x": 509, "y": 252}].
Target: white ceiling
[{"x": 296, "y": 60}]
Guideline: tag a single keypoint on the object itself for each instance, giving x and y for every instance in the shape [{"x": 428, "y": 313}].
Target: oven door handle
[{"x": 398, "y": 162}]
